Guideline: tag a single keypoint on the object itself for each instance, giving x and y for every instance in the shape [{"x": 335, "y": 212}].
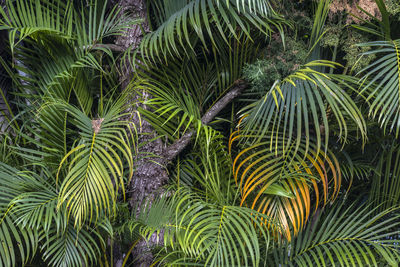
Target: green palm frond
[
  {"x": 184, "y": 90},
  {"x": 30, "y": 218},
  {"x": 96, "y": 165},
  {"x": 55, "y": 61},
  {"x": 177, "y": 98},
  {"x": 356, "y": 169},
  {"x": 86, "y": 28},
  {"x": 94, "y": 24},
  {"x": 385, "y": 187},
  {"x": 8, "y": 155},
  {"x": 58, "y": 72},
  {"x": 302, "y": 104},
  {"x": 321, "y": 14},
  {"x": 345, "y": 236},
  {"x": 38, "y": 210},
  {"x": 209, "y": 167},
  {"x": 214, "y": 235},
  {"x": 378, "y": 26},
  {"x": 35, "y": 206},
  {"x": 17, "y": 242},
  {"x": 46, "y": 138},
  {"x": 356, "y": 166},
  {"x": 209, "y": 19},
  {"x": 72, "y": 248},
  {"x": 381, "y": 83},
  {"x": 6, "y": 114},
  {"x": 52, "y": 67},
  {"x": 27, "y": 18}
]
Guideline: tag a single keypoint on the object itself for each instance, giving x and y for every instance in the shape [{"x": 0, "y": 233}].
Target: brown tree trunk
[
  {"x": 148, "y": 176},
  {"x": 5, "y": 84}
]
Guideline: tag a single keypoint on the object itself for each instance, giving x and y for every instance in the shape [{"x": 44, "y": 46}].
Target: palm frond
[
  {"x": 184, "y": 90},
  {"x": 209, "y": 167},
  {"x": 345, "y": 236},
  {"x": 379, "y": 27},
  {"x": 62, "y": 64},
  {"x": 94, "y": 24},
  {"x": 96, "y": 164},
  {"x": 175, "y": 104},
  {"x": 56, "y": 75},
  {"x": 277, "y": 183},
  {"x": 207, "y": 20},
  {"x": 38, "y": 210},
  {"x": 72, "y": 248},
  {"x": 385, "y": 187},
  {"x": 302, "y": 105},
  {"x": 87, "y": 27},
  {"x": 381, "y": 83},
  {"x": 356, "y": 169},
  {"x": 7, "y": 153},
  {"x": 27, "y": 18},
  {"x": 321, "y": 13},
  {"x": 17, "y": 242},
  {"x": 354, "y": 166},
  {"x": 6, "y": 114},
  {"x": 213, "y": 235}
]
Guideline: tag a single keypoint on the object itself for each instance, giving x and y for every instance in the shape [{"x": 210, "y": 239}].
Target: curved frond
[
  {"x": 302, "y": 105},
  {"x": 96, "y": 165},
  {"x": 345, "y": 236},
  {"x": 53, "y": 67},
  {"x": 381, "y": 84},
  {"x": 208, "y": 169},
  {"x": 281, "y": 183},
  {"x": 385, "y": 187},
  {"x": 24, "y": 18},
  {"x": 354, "y": 166},
  {"x": 85, "y": 28},
  {"x": 207, "y": 19},
  {"x": 17, "y": 243},
  {"x": 71, "y": 248},
  {"x": 38, "y": 210},
  {"x": 184, "y": 90},
  {"x": 214, "y": 235}
]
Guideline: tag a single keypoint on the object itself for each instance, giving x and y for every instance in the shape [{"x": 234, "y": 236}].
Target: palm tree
[{"x": 138, "y": 134}]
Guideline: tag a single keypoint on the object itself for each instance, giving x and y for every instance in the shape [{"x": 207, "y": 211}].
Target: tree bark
[
  {"x": 5, "y": 84},
  {"x": 148, "y": 176}
]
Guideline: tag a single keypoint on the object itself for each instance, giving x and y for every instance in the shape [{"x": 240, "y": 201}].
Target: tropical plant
[
  {"x": 199, "y": 133},
  {"x": 344, "y": 236}
]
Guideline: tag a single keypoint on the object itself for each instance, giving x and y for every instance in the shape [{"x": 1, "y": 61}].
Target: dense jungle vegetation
[{"x": 199, "y": 133}]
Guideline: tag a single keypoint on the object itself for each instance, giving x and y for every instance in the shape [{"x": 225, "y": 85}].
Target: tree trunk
[
  {"x": 5, "y": 84},
  {"x": 148, "y": 176}
]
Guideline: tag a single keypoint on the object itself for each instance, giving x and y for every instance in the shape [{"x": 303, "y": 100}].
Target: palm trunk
[
  {"x": 4, "y": 85},
  {"x": 148, "y": 176}
]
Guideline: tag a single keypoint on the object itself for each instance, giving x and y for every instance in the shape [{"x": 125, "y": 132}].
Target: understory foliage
[{"x": 301, "y": 169}]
